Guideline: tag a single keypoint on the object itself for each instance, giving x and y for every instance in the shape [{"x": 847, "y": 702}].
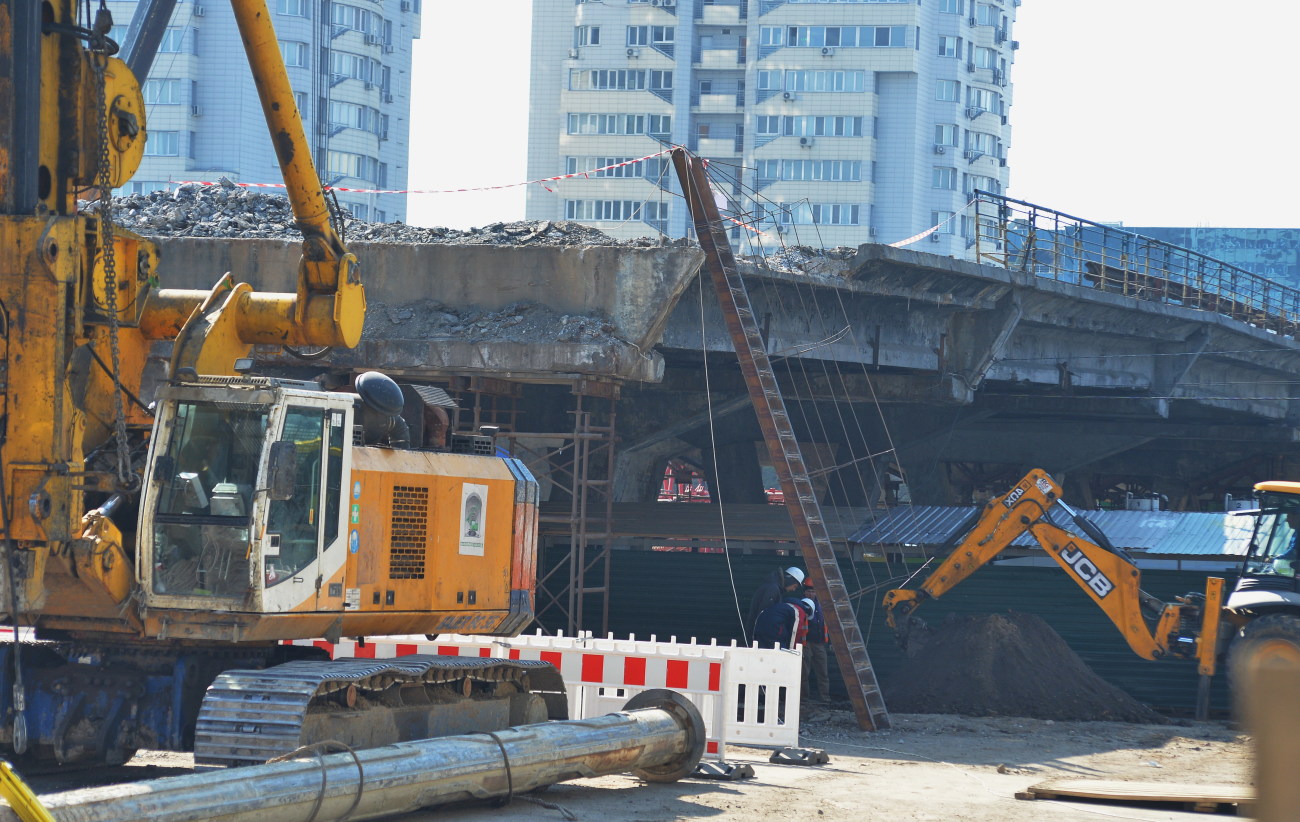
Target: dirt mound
[{"x": 1007, "y": 664}]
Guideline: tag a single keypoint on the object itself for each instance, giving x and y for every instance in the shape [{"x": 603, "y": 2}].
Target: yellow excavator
[
  {"x": 160, "y": 552},
  {"x": 1259, "y": 618}
]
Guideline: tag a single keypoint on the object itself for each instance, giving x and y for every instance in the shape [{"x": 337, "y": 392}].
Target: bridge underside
[{"x": 908, "y": 377}]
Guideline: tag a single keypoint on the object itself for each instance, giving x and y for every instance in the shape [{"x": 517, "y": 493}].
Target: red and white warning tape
[{"x": 542, "y": 182}]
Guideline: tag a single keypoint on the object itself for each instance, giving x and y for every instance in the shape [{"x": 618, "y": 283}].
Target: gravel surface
[
  {"x": 228, "y": 210},
  {"x": 928, "y": 768}
]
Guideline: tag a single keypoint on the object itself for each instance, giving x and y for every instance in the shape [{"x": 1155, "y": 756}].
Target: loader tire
[{"x": 1276, "y": 636}]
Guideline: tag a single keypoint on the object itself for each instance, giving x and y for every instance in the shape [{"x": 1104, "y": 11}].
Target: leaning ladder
[{"x": 800, "y": 499}]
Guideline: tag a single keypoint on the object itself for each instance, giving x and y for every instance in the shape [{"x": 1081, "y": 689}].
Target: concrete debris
[
  {"x": 228, "y": 210},
  {"x": 517, "y": 322},
  {"x": 802, "y": 259}
]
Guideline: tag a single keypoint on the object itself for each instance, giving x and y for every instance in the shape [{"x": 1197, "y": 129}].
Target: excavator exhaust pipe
[{"x": 659, "y": 736}]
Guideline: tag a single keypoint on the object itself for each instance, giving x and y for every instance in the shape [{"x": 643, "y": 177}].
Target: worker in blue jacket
[{"x": 780, "y": 584}]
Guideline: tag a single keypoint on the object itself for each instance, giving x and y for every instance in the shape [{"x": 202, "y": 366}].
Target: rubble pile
[
  {"x": 517, "y": 322},
  {"x": 802, "y": 259},
  {"x": 229, "y": 210}
]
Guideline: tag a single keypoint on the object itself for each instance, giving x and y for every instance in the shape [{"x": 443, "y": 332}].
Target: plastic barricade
[{"x": 746, "y": 695}]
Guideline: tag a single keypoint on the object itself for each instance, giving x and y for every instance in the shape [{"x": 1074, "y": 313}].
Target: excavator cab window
[
  {"x": 201, "y": 529},
  {"x": 294, "y": 526},
  {"x": 1273, "y": 545}
]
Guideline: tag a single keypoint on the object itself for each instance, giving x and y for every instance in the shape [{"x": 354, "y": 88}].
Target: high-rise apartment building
[
  {"x": 838, "y": 122},
  {"x": 350, "y": 67}
]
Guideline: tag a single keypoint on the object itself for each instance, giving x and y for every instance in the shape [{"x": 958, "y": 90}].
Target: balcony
[
  {"x": 716, "y": 104},
  {"x": 720, "y": 59},
  {"x": 720, "y": 16},
  {"x": 718, "y": 146}
]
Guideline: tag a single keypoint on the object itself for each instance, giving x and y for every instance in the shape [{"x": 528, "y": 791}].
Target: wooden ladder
[{"x": 787, "y": 459}]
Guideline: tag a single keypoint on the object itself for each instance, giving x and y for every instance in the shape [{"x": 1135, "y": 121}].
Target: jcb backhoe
[{"x": 1261, "y": 616}]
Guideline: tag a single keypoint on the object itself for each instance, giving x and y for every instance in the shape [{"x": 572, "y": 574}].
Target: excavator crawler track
[{"x": 248, "y": 717}]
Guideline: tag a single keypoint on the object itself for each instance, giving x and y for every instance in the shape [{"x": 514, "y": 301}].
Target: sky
[{"x": 1145, "y": 112}]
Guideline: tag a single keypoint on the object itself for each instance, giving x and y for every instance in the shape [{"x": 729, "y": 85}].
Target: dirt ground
[{"x": 928, "y": 767}]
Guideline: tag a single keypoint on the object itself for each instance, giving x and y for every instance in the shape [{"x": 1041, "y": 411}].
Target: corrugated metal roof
[
  {"x": 1176, "y": 533},
  {"x": 912, "y": 525}
]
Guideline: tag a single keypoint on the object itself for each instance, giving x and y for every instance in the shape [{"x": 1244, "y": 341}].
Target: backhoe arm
[
  {"x": 1111, "y": 581},
  {"x": 213, "y": 329},
  {"x": 1001, "y": 521}
]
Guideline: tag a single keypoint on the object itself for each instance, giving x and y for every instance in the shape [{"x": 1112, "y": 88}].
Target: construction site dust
[{"x": 1007, "y": 664}]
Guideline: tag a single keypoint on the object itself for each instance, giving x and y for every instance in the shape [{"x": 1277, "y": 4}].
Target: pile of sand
[{"x": 1007, "y": 664}]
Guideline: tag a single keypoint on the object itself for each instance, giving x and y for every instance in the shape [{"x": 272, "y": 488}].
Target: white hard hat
[
  {"x": 797, "y": 573},
  {"x": 808, "y": 605}
]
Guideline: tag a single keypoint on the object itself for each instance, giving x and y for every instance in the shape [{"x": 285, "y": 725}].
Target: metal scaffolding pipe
[{"x": 659, "y": 736}]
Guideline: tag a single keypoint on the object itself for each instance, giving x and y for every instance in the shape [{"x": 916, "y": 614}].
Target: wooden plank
[{"x": 1193, "y": 796}]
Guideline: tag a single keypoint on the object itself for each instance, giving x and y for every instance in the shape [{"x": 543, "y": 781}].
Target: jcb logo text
[{"x": 1087, "y": 571}]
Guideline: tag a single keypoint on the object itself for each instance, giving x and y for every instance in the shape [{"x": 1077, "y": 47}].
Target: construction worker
[
  {"x": 780, "y": 584},
  {"x": 784, "y": 624},
  {"x": 816, "y": 680}
]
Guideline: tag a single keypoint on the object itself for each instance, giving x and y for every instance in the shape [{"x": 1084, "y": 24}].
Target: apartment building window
[
  {"x": 819, "y": 126},
  {"x": 814, "y": 81},
  {"x": 768, "y": 126},
  {"x": 979, "y": 182},
  {"x": 828, "y": 171},
  {"x": 845, "y": 36},
  {"x": 619, "y": 124},
  {"x": 355, "y": 66},
  {"x": 607, "y": 79},
  {"x": 820, "y": 214},
  {"x": 586, "y": 36},
  {"x": 949, "y": 46},
  {"x": 608, "y": 167},
  {"x": 295, "y": 54},
  {"x": 981, "y": 99},
  {"x": 651, "y": 35},
  {"x": 986, "y": 58},
  {"x": 986, "y": 15},
  {"x": 949, "y": 91},
  {"x": 614, "y": 210},
  {"x": 163, "y": 92},
  {"x": 349, "y": 164},
  {"x": 294, "y": 8},
  {"x": 162, "y": 144},
  {"x": 981, "y": 142},
  {"x": 771, "y": 36},
  {"x": 360, "y": 211},
  {"x": 944, "y": 177},
  {"x": 352, "y": 115},
  {"x": 952, "y": 6},
  {"x": 942, "y": 219},
  {"x": 355, "y": 18},
  {"x": 661, "y": 80},
  {"x": 945, "y": 134},
  {"x": 174, "y": 41}
]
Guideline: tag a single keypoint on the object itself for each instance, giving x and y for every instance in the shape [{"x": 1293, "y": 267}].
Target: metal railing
[{"x": 1021, "y": 236}]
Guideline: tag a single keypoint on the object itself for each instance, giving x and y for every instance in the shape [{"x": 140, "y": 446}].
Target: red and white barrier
[{"x": 747, "y": 696}]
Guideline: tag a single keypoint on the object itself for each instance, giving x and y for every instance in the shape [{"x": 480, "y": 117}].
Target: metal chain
[{"x": 126, "y": 478}]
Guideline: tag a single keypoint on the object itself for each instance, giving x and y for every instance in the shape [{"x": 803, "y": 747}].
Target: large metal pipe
[{"x": 659, "y": 736}]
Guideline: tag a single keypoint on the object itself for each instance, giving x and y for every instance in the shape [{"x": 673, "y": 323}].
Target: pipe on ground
[{"x": 659, "y": 736}]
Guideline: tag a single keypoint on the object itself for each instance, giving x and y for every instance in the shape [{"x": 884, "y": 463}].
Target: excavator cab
[
  {"x": 1268, "y": 574},
  {"x": 244, "y": 493}
]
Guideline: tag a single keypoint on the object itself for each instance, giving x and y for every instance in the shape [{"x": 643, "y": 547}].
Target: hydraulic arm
[{"x": 1187, "y": 628}]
